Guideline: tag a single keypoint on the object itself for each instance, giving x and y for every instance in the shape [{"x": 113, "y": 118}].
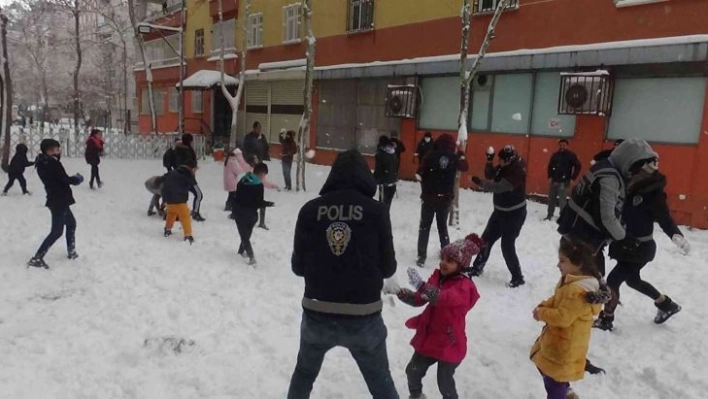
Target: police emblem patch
[
  {"x": 444, "y": 162},
  {"x": 338, "y": 236}
]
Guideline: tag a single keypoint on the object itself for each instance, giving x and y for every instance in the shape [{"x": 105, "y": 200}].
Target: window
[
  {"x": 199, "y": 42},
  {"x": 481, "y": 102},
  {"x": 229, "y": 30},
  {"x": 511, "y": 103},
  {"x": 545, "y": 118},
  {"x": 159, "y": 95},
  {"x": 196, "y": 102},
  {"x": 361, "y": 15},
  {"x": 439, "y": 107},
  {"x": 174, "y": 99},
  {"x": 670, "y": 110},
  {"x": 482, "y": 6},
  {"x": 255, "y": 30},
  {"x": 291, "y": 23}
]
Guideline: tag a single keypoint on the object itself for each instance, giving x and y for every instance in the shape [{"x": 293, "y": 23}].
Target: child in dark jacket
[
  {"x": 154, "y": 186},
  {"x": 440, "y": 330},
  {"x": 59, "y": 198},
  {"x": 17, "y": 169},
  {"x": 247, "y": 201},
  {"x": 175, "y": 193}
]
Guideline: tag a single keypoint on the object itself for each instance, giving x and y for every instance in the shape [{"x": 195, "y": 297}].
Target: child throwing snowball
[
  {"x": 440, "y": 330},
  {"x": 247, "y": 201},
  {"x": 560, "y": 352}
]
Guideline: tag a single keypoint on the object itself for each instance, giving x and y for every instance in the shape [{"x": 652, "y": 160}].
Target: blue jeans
[
  {"x": 287, "y": 171},
  {"x": 61, "y": 217},
  {"x": 364, "y": 337}
]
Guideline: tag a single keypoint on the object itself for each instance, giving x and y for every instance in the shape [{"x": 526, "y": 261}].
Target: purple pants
[{"x": 555, "y": 389}]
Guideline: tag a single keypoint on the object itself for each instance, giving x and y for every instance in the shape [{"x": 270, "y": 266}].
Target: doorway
[{"x": 222, "y": 116}]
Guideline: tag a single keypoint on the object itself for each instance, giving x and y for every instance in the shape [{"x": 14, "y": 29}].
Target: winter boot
[
  {"x": 168, "y": 232},
  {"x": 38, "y": 262},
  {"x": 252, "y": 261},
  {"x": 197, "y": 217},
  {"x": 666, "y": 309},
  {"x": 100, "y": 184},
  {"x": 151, "y": 213},
  {"x": 4, "y": 194},
  {"x": 72, "y": 254},
  {"x": 592, "y": 369},
  {"x": 516, "y": 282},
  {"x": 604, "y": 321},
  {"x": 189, "y": 239},
  {"x": 421, "y": 261},
  {"x": 27, "y": 193},
  {"x": 571, "y": 394}
]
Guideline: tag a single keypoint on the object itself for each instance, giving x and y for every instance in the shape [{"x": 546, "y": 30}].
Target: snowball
[
  {"x": 516, "y": 116},
  {"x": 309, "y": 154},
  {"x": 545, "y": 150}
]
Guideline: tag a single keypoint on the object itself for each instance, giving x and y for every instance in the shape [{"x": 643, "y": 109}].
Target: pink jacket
[
  {"x": 235, "y": 166},
  {"x": 440, "y": 329}
]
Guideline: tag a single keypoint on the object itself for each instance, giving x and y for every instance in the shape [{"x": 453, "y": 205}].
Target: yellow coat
[{"x": 561, "y": 349}]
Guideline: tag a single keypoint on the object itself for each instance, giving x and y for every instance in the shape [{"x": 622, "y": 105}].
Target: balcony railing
[{"x": 487, "y": 6}]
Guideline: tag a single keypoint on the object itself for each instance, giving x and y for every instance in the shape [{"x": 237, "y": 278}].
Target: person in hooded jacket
[
  {"x": 248, "y": 199},
  {"x": 94, "y": 151},
  {"x": 343, "y": 247},
  {"x": 59, "y": 198},
  {"x": 508, "y": 183},
  {"x": 386, "y": 170},
  {"x": 16, "y": 170},
  {"x": 185, "y": 155},
  {"x": 169, "y": 159},
  {"x": 437, "y": 176},
  {"x": 424, "y": 146},
  {"x": 594, "y": 211},
  {"x": 645, "y": 205},
  {"x": 254, "y": 150},
  {"x": 175, "y": 193}
]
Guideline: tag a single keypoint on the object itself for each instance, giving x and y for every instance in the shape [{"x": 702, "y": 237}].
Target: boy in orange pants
[{"x": 175, "y": 193}]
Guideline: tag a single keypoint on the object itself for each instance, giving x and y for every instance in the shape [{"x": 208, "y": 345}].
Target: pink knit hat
[{"x": 462, "y": 251}]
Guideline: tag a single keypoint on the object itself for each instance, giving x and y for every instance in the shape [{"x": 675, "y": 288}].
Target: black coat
[
  {"x": 508, "y": 183},
  {"x": 184, "y": 155},
  {"x": 255, "y": 146},
  {"x": 56, "y": 182},
  {"x": 423, "y": 148},
  {"x": 19, "y": 161},
  {"x": 563, "y": 167},
  {"x": 386, "y": 168},
  {"x": 645, "y": 205},
  {"x": 343, "y": 242},
  {"x": 438, "y": 170},
  {"x": 169, "y": 160},
  {"x": 249, "y": 193},
  {"x": 175, "y": 189},
  {"x": 94, "y": 150}
]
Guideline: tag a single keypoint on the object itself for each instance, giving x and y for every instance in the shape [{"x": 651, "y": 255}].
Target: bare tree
[
  {"x": 304, "y": 129},
  {"x": 466, "y": 79},
  {"x": 6, "y": 91},
  {"x": 146, "y": 64},
  {"x": 234, "y": 101}
]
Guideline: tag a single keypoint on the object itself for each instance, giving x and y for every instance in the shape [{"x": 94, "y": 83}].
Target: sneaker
[
  {"x": 151, "y": 213},
  {"x": 189, "y": 239},
  {"x": 475, "y": 271},
  {"x": 167, "y": 232},
  {"x": 4, "y": 194},
  {"x": 421, "y": 261},
  {"x": 287, "y": 189},
  {"x": 604, "y": 322},
  {"x": 665, "y": 310},
  {"x": 243, "y": 254},
  {"x": 100, "y": 184},
  {"x": 516, "y": 282},
  {"x": 263, "y": 226},
  {"x": 252, "y": 261},
  {"x": 73, "y": 255},
  {"x": 27, "y": 193},
  {"x": 197, "y": 217},
  {"x": 38, "y": 262}
]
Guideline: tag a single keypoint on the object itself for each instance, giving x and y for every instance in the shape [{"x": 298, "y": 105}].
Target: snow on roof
[
  {"x": 663, "y": 41},
  {"x": 206, "y": 79},
  {"x": 282, "y": 64},
  {"x": 599, "y": 72}
]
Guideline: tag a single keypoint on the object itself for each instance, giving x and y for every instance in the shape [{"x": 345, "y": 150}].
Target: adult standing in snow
[
  {"x": 288, "y": 149},
  {"x": 16, "y": 170},
  {"x": 594, "y": 210},
  {"x": 398, "y": 147},
  {"x": 604, "y": 154},
  {"x": 563, "y": 168},
  {"x": 344, "y": 249},
  {"x": 437, "y": 176},
  {"x": 646, "y": 204},
  {"x": 234, "y": 166},
  {"x": 94, "y": 151},
  {"x": 508, "y": 183},
  {"x": 253, "y": 148},
  {"x": 169, "y": 159},
  {"x": 185, "y": 155},
  {"x": 59, "y": 198},
  {"x": 424, "y": 146},
  {"x": 386, "y": 170}
]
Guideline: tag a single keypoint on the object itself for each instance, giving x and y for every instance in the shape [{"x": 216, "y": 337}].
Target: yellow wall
[
  {"x": 197, "y": 18},
  {"x": 390, "y": 13}
]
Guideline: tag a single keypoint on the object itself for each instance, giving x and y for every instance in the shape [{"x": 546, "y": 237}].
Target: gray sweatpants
[{"x": 557, "y": 195}]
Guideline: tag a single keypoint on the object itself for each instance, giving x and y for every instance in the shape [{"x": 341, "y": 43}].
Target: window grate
[
  {"x": 361, "y": 15},
  {"x": 485, "y": 6}
]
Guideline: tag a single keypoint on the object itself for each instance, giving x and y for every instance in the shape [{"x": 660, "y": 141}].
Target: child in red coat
[{"x": 440, "y": 330}]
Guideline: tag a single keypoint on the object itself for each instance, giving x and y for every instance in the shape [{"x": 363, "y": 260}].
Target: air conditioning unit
[
  {"x": 481, "y": 83},
  {"x": 586, "y": 93},
  {"x": 401, "y": 101}
]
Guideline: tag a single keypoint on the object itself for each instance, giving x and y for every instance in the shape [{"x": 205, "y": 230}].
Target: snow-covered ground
[{"x": 92, "y": 328}]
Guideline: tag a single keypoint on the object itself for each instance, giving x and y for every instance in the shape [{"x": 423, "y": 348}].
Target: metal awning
[
  {"x": 681, "y": 49},
  {"x": 206, "y": 79}
]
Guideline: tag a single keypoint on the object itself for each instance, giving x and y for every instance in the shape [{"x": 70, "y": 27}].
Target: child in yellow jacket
[{"x": 560, "y": 352}]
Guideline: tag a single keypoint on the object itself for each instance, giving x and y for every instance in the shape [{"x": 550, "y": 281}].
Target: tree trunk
[
  {"x": 234, "y": 101},
  {"x": 304, "y": 130},
  {"x": 45, "y": 106},
  {"x": 146, "y": 64},
  {"x": 6, "y": 92},
  {"x": 77, "y": 70},
  {"x": 126, "y": 114},
  {"x": 466, "y": 79}
]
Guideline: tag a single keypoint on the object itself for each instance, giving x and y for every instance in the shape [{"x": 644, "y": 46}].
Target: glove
[
  {"x": 490, "y": 154},
  {"x": 414, "y": 278},
  {"x": 79, "y": 178},
  {"x": 391, "y": 287},
  {"x": 681, "y": 242},
  {"x": 476, "y": 180},
  {"x": 418, "y": 177}
]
